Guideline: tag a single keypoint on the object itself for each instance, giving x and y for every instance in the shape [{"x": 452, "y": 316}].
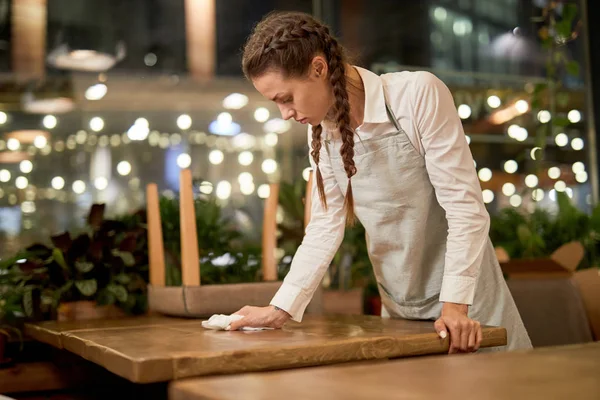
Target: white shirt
[{"x": 426, "y": 111}]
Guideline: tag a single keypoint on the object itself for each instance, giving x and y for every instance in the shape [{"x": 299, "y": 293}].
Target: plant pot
[
  {"x": 3, "y": 342},
  {"x": 373, "y": 305},
  {"x": 347, "y": 302},
  {"x": 87, "y": 310}
]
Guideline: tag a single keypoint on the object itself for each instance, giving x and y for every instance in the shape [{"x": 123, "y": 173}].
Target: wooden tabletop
[
  {"x": 155, "y": 349},
  {"x": 570, "y": 372}
]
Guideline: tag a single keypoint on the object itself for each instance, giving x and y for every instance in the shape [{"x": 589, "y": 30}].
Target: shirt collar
[{"x": 375, "y": 111}]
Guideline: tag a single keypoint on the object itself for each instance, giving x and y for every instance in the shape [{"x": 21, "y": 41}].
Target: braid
[
  {"x": 287, "y": 42},
  {"x": 337, "y": 77},
  {"x": 316, "y": 150}
]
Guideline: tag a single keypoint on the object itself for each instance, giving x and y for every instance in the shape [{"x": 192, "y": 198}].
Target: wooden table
[
  {"x": 158, "y": 349},
  {"x": 570, "y": 372}
]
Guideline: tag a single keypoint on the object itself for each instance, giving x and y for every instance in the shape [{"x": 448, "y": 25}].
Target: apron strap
[{"x": 390, "y": 113}]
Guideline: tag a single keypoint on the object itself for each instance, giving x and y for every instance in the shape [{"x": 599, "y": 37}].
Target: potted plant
[{"x": 100, "y": 272}]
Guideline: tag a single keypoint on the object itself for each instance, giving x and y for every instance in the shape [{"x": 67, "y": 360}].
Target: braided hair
[{"x": 287, "y": 42}]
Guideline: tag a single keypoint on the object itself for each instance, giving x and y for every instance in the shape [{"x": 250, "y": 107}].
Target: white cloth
[
  {"x": 425, "y": 110},
  {"x": 220, "y": 322}
]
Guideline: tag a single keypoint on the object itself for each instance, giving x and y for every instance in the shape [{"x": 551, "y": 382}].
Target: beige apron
[{"x": 406, "y": 233}]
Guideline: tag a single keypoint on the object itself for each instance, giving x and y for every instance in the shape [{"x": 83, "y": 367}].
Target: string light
[
  {"x": 264, "y": 191},
  {"x": 488, "y": 196},
  {"x": 245, "y": 158}
]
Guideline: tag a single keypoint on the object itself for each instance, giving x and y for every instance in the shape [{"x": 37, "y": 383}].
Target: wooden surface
[
  {"x": 550, "y": 373},
  {"x": 154, "y": 349}
]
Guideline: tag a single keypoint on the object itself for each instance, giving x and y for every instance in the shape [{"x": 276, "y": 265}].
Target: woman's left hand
[{"x": 465, "y": 333}]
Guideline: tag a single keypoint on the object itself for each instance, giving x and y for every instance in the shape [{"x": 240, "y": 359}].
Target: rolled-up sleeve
[
  {"x": 449, "y": 163},
  {"x": 322, "y": 238}
]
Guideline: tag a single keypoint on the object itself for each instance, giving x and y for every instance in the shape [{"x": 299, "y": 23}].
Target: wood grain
[
  {"x": 156, "y": 349},
  {"x": 155, "y": 237},
  {"x": 269, "y": 236},
  {"x": 550, "y": 373},
  {"x": 190, "y": 259}
]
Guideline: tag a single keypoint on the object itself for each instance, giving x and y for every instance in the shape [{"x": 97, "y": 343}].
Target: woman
[{"x": 389, "y": 150}]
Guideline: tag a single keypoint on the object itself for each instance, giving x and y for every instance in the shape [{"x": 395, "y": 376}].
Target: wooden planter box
[
  {"x": 87, "y": 310},
  {"x": 204, "y": 301}
]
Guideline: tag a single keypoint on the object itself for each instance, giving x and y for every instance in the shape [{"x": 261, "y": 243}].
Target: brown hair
[{"x": 287, "y": 42}]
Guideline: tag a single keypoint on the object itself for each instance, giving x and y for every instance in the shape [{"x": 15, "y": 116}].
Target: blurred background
[{"x": 100, "y": 97}]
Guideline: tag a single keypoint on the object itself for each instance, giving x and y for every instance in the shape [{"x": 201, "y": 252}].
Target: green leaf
[
  {"x": 84, "y": 266},
  {"x": 60, "y": 260},
  {"x": 563, "y": 28},
  {"x": 118, "y": 290},
  {"x": 569, "y": 13},
  {"x": 126, "y": 256},
  {"x": 561, "y": 121},
  {"x": 28, "y": 302},
  {"x": 573, "y": 68},
  {"x": 57, "y": 295},
  {"x": 123, "y": 278},
  {"x": 105, "y": 297},
  {"x": 562, "y": 99},
  {"x": 87, "y": 287}
]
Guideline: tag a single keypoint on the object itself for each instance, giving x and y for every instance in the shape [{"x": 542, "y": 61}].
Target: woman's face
[{"x": 306, "y": 99}]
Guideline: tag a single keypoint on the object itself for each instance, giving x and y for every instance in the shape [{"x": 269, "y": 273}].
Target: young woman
[{"x": 389, "y": 150}]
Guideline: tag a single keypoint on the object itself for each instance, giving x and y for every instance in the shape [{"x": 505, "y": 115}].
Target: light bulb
[
  {"x": 511, "y": 166},
  {"x": 13, "y": 144},
  {"x": 578, "y": 167},
  {"x": 561, "y": 140},
  {"x": 124, "y": 168},
  {"x": 577, "y": 144},
  {"x": 40, "y": 141},
  {"x": 554, "y": 172},
  {"x": 223, "y": 190},
  {"x": 96, "y": 124},
  {"x": 581, "y": 176},
  {"x": 522, "y": 106},
  {"x": 508, "y": 189},
  {"x": 264, "y": 191},
  {"x": 464, "y": 111},
  {"x": 261, "y": 114},
  {"x": 306, "y": 173},
  {"x": 184, "y": 160},
  {"x": 58, "y": 183},
  {"x": 245, "y": 158},
  {"x": 216, "y": 157},
  {"x": 184, "y": 121},
  {"x": 79, "y": 187},
  {"x": 560, "y": 186},
  {"x": 4, "y": 175},
  {"x": 574, "y": 116},
  {"x": 494, "y": 101},
  {"x": 21, "y": 182},
  {"x": 101, "y": 183},
  {"x": 537, "y": 194},
  {"x": 515, "y": 200},
  {"x": 488, "y": 196},
  {"x": 271, "y": 139},
  {"x": 544, "y": 116},
  {"x": 245, "y": 177},
  {"x": 26, "y": 166},
  {"x": 531, "y": 181},
  {"x": 50, "y": 121},
  {"x": 485, "y": 174},
  {"x": 269, "y": 166}
]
